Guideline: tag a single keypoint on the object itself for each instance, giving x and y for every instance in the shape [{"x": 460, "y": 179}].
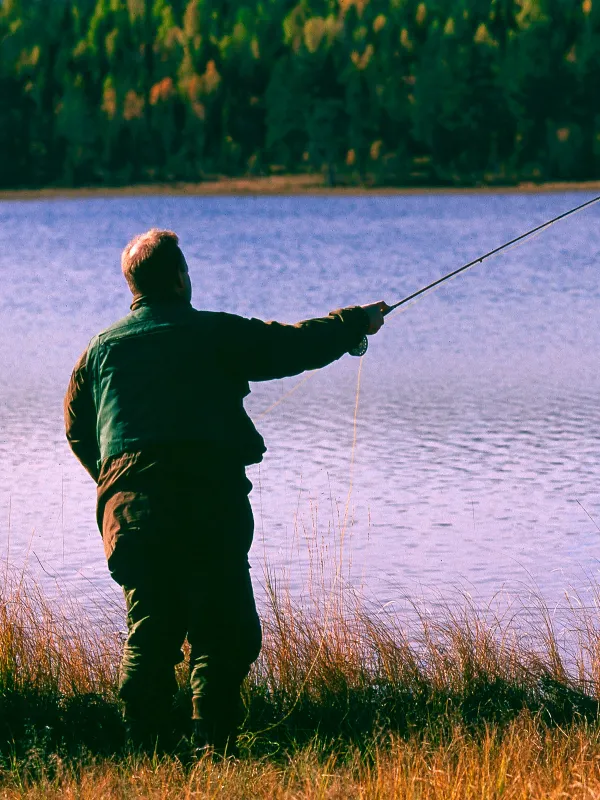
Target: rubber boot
[
  {"x": 149, "y": 734},
  {"x": 217, "y": 735},
  {"x": 209, "y": 741}
]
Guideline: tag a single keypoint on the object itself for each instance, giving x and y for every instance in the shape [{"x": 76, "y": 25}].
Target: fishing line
[
  {"x": 353, "y": 451},
  {"x": 337, "y": 577},
  {"x": 287, "y": 394}
]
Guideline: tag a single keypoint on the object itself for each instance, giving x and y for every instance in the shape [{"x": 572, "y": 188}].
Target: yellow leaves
[
  {"x": 173, "y": 37},
  {"x": 109, "y": 99},
  {"x": 314, "y": 29},
  {"x": 375, "y": 150},
  {"x": 379, "y": 23},
  {"x": 28, "y": 58},
  {"x": 562, "y": 134},
  {"x": 133, "y": 106},
  {"x": 333, "y": 27},
  {"x": 587, "y": 7},
  {"x": 293, "y": 26},
  {"x": 197, "y": 87},
  {"x": 449, "y": 27},
  {"x": 199, "y": 110},
  {"x": 110, "y": 43},
  {"x": 211, "y": 78},
  {"x": 194, "y": 88},
  {"x": 254, "y": 48},
  {"x": 191, "y": 20},
  {"x": 421, "y": 14},
  {"x": 350, "y": 158},
  {"x": 483, "y": 36},
  {"x": 405, "y": 40},
  {"x": 362, "y": 61},
  {"x": 571, "y": 56},
  {"x": 359, "y": 5},
  {"x": 136, "y": 8},
  {"x": 239, "y": 33},
  {"x": 531, "y": 11},
  {"x": 79, "y": 49},
  {"x": 162, "y": 91}
]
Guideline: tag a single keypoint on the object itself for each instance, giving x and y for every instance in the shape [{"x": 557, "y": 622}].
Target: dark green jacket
[{"x": 168, "y": 374}]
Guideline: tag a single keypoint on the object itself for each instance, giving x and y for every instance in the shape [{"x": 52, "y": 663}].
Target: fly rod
[{"x": 361, "y": 348}]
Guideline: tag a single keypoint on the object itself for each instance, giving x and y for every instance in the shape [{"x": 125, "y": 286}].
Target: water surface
[{"x": 477, "y": 436}]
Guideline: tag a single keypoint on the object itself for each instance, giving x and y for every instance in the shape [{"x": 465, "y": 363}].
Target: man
[{"x": 154, "y": 412}]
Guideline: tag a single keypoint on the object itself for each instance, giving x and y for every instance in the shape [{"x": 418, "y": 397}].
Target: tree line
[{"x": 439, "y": 92}]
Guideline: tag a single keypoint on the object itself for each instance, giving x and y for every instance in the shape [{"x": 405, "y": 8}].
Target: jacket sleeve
[
  {"x": 80, "y": 419},
  {"x": 267, "y": 350}
]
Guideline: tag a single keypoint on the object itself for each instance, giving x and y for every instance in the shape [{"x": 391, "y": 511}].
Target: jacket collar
[{"x": 149, "y": 301}]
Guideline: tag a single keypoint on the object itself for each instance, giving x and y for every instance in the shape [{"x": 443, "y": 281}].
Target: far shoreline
[{"x": 282, "y": 185}]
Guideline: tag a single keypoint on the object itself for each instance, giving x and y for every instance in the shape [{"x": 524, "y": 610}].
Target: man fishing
[{"x": 154, "y": 412}]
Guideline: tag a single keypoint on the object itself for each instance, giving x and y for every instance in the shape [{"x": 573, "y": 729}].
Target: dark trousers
[{"x": 181, "y": 558}]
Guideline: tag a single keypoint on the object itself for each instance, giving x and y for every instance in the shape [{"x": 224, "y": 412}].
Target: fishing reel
[{"x": 361, "y": 348}]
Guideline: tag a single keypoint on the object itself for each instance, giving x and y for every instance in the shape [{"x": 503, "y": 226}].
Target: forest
[{"x": 365, "y": 92}]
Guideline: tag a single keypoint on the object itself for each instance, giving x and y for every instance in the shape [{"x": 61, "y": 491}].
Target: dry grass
[
  {"x": 527, "y": 761},
  {"x": 53, "y": 647},
  {"x": 344, "y": 702}
]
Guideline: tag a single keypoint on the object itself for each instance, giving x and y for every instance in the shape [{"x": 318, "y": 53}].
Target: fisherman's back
[{"x": 164, "y": 375}]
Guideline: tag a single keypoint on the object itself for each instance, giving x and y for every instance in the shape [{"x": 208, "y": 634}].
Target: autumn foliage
[{"x": 440, "y": 92}]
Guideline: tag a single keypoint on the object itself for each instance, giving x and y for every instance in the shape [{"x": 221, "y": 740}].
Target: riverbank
[
  {"x": 343, "y": 702},
  {"x": 279, "y": 185}
]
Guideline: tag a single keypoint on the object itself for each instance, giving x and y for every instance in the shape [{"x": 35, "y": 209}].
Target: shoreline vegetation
[
  {"x": 282, "y": 185},
  {"x": 405, "y": 93},
  {"x": 345, "y": 701}
]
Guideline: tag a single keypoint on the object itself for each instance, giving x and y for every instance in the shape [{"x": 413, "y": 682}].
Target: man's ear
[{"x": 180, "y": 278}]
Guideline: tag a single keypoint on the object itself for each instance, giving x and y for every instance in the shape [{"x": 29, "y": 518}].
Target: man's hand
[{"x": 376, "y": 312}]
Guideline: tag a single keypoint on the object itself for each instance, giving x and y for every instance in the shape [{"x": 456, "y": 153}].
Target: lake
[{"x": 477, "y": 460}]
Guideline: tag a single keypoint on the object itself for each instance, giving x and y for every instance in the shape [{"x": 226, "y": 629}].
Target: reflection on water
[{"x": 478, "y": 435}]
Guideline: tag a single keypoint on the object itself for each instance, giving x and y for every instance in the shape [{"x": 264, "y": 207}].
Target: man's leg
[
  {"x": 156, "y": 631},
  {"x": 223, "y": 625},
  {"x": 225, "y": 639},
  {"x": 142, "y": 560}
]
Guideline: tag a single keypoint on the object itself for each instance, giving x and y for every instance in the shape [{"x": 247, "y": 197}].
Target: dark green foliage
[
  {"x": 45, "y": 723},
  {"x": 401, "y": 91}
]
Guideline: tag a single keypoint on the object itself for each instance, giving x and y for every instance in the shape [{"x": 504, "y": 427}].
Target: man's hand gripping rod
[{"x": 384, "y": 309}]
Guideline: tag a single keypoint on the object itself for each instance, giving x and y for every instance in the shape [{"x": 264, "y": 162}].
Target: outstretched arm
[
  {"x": 267, "y": 350},
  {"x": 80, "y": 419}
]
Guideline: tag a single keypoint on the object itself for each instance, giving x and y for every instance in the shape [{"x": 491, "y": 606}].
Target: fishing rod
[{"x": 361, "y": 348}]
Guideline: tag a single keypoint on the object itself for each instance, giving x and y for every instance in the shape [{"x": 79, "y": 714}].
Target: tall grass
[
  {"x": 345, "y": 701},
  {"x": 526, "y": 760}
]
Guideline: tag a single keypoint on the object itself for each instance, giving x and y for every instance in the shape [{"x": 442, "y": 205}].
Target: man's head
[{"x": 154, "y": 266}]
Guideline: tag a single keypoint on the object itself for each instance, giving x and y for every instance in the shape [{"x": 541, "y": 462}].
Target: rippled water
[{"x": 477, "y": 437}]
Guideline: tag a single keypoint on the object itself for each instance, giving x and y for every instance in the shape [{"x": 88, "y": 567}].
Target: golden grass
[
  {"x": 345, "y": 701},
  {"x": 53, "y": 647},
  {"x": 526, "y": 761}
]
